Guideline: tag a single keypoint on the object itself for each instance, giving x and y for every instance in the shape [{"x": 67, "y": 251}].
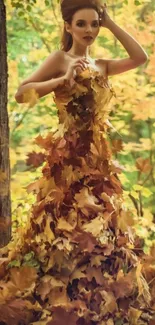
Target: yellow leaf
[
  {"x": 137, "y": 187},
  {"x": 146, "y": 192},
  {"x": 134, "y": 315},
  {"x": 48, "y": 231},
  {"x": 30, "y": 96},
  {"x": 134, "y": 194},
  {"x": 143, "y": 287}
]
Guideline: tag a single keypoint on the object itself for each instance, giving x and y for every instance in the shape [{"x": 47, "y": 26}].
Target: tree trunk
[{"x": 5, "y": 200}]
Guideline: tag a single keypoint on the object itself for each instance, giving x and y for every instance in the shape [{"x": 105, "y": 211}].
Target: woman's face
[{"x": 85, "y": 22}]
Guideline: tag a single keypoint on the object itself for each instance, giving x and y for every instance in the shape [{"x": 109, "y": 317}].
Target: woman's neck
[{"x": 79, "y": 52}]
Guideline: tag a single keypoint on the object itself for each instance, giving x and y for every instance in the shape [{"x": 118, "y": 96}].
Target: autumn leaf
[
  {"x": 69, "y": 317},
  {"x": 35, "y": 159},
  {"x": 30, "y": 96},
  {"x": 44, "y": 142},
  {"x": 95, "y": 226},
  {"x": 143, "y": 165},
  {"x": 96, "y": 273},
  {"x": 64, "y": 225},
  {"x": 109, "y": 304},
  {"x": 117, "y": 145},
  {"x": 14, "y": 312},
  {"x": 85, "y": 240},
  {"x": 125, "y": 220},
  {"x": 143, "y": 288},
  {"x": 23, "y": 278},
  {"x": 87, "y": 201},
  {"x": 123, "y": 286},
  {"x": 48, "y": 231},
  {"x": 134, "y": 315}
]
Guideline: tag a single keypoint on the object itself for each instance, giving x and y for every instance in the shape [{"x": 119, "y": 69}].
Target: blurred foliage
[{"x": 34, "y": 30}]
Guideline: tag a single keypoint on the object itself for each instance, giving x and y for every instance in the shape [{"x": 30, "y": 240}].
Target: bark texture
[{"x": 5, "y": 200}]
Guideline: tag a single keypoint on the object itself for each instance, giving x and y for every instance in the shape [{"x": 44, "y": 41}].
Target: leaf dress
[{"x": 78, "y": 260}]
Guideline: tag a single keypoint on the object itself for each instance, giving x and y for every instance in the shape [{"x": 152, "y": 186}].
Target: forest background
[{"x": 34, "y": 30}]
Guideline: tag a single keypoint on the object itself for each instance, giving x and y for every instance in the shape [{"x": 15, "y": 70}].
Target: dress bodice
[{"x": 85, "y": 106}]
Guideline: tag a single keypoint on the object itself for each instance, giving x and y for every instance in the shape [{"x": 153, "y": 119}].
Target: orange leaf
[{"x": 143, "y": 165}]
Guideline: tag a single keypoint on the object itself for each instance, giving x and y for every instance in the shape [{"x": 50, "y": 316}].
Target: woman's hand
[
  {"x": 104, "y": 18},
  {"x": 76, "y": 66}
]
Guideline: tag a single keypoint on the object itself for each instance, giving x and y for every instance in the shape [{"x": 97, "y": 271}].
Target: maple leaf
[
  {"x": 95, "y": 226},
  {"x": 117, "y": 145},
  {"x": 96, "y": 273},
  {"x": 125, "y": 220},
  {"x": 143, "y": 165},
  {"x": 15, "y": 312},
  {"x": 85, "y": 240},
  {"x": 35, "y": 159},
  {"x": 58, "y": 297},
  {"x": 23, "y": 278},
  {"x": 57, "y": 151},
  {"x": 101, "y": 148},
  {"x": 116, "y": 167},
  {"x": 64, "y": 225},
  {"x": 124, "y": 285},
  {"x": 47, "y": 283},
  {"x": 56, "y": 195},
  {"x": 35, "y": 186},
  {"x": 7, "y": 291},
  {"x": 30, "y": 96},
  {"x": 87, "y": 201},
  {"x": 69, "y": 175},
  {"x": 44, "y": 142},
  {"x": 48, "y": 231},
  {"x": 116, "y": 183},
  {"x": 108, "y": 305},
  {"x": 46, "y": 170},
  {"x": 68, "y": 317},
  {"x": 134, "y": 315},
  {"x": 96, "y": 260}
]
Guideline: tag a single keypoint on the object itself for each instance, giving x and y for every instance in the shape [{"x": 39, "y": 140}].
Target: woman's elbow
[{"x": 19, "y": 97}]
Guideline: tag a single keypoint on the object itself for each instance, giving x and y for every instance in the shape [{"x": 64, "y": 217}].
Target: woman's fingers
[{"x": 79, "y": 65}]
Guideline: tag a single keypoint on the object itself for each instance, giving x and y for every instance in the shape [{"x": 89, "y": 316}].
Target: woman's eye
[
  {"x": 80, "y": 24},
  {"x": 96, "y": 24}
]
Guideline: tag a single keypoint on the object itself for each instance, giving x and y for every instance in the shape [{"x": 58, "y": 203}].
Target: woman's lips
[{"x": 88, "y": 38}]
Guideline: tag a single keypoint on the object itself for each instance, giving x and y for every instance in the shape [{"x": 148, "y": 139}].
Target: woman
[
  {"x": 77, "y": 261},
  {"x": 81, "y": 19}
]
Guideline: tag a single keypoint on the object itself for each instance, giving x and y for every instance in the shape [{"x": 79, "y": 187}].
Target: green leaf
[
  {"x": 137, "y": 3},
  {"x": 28, "y": 256},
  {"x": 14, "y": 263},
  {"x": 32, "y": 263},
  {"x": 47, "y": 2},
  {"x": 29, "y": 8},
  {"x": 20, "y": 13}
]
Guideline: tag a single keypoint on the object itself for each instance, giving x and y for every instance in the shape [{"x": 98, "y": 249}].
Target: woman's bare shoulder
[{"x": 56, "y": 55}]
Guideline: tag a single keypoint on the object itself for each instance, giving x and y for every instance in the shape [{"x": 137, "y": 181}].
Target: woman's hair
[{"x": 68, "y": 9}]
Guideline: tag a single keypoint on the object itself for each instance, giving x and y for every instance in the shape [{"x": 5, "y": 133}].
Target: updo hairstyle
[{"x": 68, "y": 9}]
